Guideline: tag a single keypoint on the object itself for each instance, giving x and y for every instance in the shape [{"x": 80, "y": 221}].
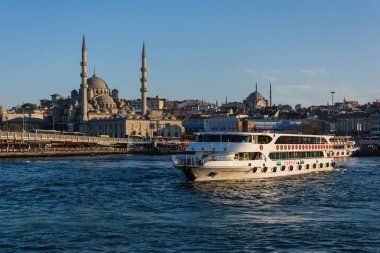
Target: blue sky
[{"x": 206, "y": 49}]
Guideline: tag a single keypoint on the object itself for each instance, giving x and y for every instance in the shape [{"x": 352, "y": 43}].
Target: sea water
[{"x": 144, "y": 204}]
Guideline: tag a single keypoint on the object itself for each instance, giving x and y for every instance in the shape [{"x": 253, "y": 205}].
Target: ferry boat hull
[
  {"x": 244, "y": 156},
  {"x": 202, "y": 173}
]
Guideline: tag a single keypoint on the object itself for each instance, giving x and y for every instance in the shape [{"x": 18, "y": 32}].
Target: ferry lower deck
[{"x": 222, "y": 170}]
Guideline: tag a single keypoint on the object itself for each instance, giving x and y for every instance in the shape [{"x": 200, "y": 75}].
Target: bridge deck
[{"x": 31, "y": 137}]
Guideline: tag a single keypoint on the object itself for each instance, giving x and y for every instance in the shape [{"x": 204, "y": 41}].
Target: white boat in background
[{"x": 240, "y": 156}]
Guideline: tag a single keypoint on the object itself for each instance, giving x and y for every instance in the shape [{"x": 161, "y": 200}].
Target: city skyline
[{"x": 203, "y": 49}]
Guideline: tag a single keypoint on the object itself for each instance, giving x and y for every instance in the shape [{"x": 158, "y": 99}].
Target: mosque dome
[
  {"x": 103, "y": 99},
  {"x": 95, "y": 82},
  {"x": 255, "y": 100},
  {"x": 74, "y": 93},
  {"x": 252, "y": 96}
]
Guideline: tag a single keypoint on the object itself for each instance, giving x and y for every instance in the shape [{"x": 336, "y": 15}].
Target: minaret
[
  {"x": 270, "y": 95},
  {"x": 257, "y": 97},
  {"x": 84, "y": 86},
  {"x": 144, "y": 82}
]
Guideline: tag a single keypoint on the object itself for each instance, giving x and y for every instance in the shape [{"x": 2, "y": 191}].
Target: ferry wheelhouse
[
  {"x": 239, "y": 156},
  {"x": 343, "y": 146}
]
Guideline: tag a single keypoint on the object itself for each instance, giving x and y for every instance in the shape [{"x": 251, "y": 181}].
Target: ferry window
[
  {"x": 236, "y": 138},
  {"x": 209, "y": 138},
  {"x": 295, "y": 155},
  {"x": 264, "y": 139},
  {"x": 249, "y": 156}
]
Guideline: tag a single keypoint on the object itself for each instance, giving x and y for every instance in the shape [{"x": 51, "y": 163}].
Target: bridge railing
[{"x": 6, "y": 135}]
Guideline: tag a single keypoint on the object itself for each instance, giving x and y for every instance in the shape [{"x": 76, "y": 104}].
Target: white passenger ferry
[
  {"x": 343, "y": 146},
  {"x": 239, "y": 156}
]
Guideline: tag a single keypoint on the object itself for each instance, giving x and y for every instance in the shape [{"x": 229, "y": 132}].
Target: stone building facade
[{"x": 124, "y": 127}]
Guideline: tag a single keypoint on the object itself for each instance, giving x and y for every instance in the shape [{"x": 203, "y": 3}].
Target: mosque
[
  {"x": 98, "y": 110},
  {"x": 95, "y": 100},
  {"x": 256, "y": 101}
]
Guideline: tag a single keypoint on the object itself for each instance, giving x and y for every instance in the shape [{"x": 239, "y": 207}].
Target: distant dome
[
  {"x": 251, "y": 102},
  {"x": 252, "y": 96},
  {"x": 74, "y": 93},
  {"x": 96, "y": 83}
]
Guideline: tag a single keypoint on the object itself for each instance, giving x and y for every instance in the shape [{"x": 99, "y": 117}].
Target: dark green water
[{"x": 143, "y": 204}]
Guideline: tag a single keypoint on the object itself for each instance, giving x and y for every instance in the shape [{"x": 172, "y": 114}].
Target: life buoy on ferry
[
  {"x": 289, "y": 147},
  {"x": 277, "y": 147},
  {"x": 261, "y": 147},
  {"x": 285, "y": 147},
  {"x": 281, "y": 147}
]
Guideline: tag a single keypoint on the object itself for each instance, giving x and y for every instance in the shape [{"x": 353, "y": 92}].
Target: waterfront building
[
  {"x": 221, "y": 125},
  {"x": 353, "y": 124},
  {"x": 375, "y": 124},
  {"x": 224, "y": 124},
  {"x": 233, "y": 107},
  {"x": 22, "y": 117},
  {"x": 152, "y": 103},
  {"x": 193, "y": 124},
  {"x": 135, "y": 126},
  {"x": 24, "y": 124}
]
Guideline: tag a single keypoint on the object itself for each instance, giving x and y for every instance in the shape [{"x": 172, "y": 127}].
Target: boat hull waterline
[{"x": 199, "y": 173}]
